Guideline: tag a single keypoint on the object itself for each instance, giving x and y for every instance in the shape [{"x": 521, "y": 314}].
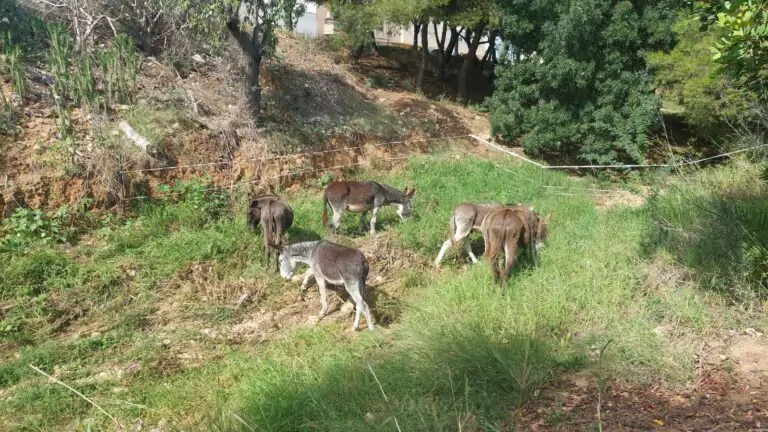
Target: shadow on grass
[
  {"x": 297, "y": 234},
  {"x": 460, "y": 376},
  {"x": 721, "y": 232}
]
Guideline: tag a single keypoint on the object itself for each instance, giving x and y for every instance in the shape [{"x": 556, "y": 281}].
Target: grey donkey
[
  {"x": 329, "y": 263},
  {"x": 362, "y": 197},
  {"x": 275, "y": 217}
]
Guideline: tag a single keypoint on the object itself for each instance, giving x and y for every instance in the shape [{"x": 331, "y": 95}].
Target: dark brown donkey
[
  {"x": 505, "y": 229},
  {"x": 362, "y": 197},
  {"x": 275, "y": 217}
]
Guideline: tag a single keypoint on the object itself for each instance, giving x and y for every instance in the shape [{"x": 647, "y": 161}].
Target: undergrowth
[
  {"x": 716, "y": 222},
  {"x": 458, "y": 355}
]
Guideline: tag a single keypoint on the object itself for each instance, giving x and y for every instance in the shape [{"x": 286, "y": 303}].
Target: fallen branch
[
  {"x": 132, "y": 135},
  {"x": 119, "y": 426}
]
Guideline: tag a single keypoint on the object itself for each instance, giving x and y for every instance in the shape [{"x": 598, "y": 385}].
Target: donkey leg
[
  {"x": 468, "y": 248},
  {"x": 373, "y": 220},
  {"x": 510, "y": 254},
  {"x": 360, "y": 305},
  {"x": 323, "y": 296},
  {"x": 443, "y": 250},
  {"x": 308, "y": 274},
  {"x": 266, "y": 254},
  {"x": 361, "y": 224},
  {"x": 336, "y": 219},
  {"x": 495, "y": 269}
]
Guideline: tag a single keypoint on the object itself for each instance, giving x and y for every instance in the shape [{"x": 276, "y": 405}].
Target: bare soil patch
[{"x": 728, "y": 393}]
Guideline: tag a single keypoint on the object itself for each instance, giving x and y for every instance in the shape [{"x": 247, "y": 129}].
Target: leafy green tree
[
  {"x": 292, "y": 11},
  {"x": 579, "y": 80},
  {"x": 743, "y": 48},
  {"x": 690, "y": 81}
]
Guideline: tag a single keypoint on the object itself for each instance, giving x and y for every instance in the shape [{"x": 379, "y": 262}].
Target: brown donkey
[
  {"x": 465, "y": 218},
  {"x": 505, "y": 229},
  {"x": 275, "y": 217},
  {"x": 362, "y": 197}
]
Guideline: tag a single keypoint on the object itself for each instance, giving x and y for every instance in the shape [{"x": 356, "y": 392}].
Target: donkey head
[
  {"x": 287, "y": 262},
  {"x": 542, "y": 230},
  {"x": 404, "y": 208},
  {"x": 254, "y": 214}
]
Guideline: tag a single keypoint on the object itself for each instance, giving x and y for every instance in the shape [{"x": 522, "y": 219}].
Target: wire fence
[
  {"x": 670, "y": 165},
  {"x": 488, "y": 143}
]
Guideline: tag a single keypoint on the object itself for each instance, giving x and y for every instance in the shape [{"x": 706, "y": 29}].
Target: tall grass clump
[
  {"x": 716, "y": 222},
  {"x": 12, "y": 64},
  {"x": 119, "y": 67},
  {"x": 75, "y": 73}
]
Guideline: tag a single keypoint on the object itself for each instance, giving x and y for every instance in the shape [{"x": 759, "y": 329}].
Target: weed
[
  {"x": 26, "y": 226},
  {"x": 715, "y": 222},
  {"x": 13, "y": 67},
  {"x": 119, "y": 67}
]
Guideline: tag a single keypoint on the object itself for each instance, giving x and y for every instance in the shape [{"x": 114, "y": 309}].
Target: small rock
[
  {"x": 347, "y": 308},
  {"x": 198, "y": 58},
  {"x": 313, "y": 319},
  {"x": 369, "y": 417}
]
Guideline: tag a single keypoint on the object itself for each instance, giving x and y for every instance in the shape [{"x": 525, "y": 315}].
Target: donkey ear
[
  {"x": 409, "y": 193},
  {"x": 530, "y": 208},
  {"x": 546, "y": 218}
]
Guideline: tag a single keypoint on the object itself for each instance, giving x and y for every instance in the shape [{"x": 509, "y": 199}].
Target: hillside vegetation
[{"x": 134, "y": 296}]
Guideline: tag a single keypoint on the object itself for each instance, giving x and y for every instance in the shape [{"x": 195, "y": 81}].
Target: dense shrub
[{"x": 586, "y": 86}]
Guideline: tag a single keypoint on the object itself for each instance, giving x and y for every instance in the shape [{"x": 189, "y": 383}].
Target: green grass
[
  {"x": 457, "y": 355},
  {"x": 716, "y": 223}
]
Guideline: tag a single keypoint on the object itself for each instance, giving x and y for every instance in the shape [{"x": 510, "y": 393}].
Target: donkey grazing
[
  {"x": 465, "y": 218},
  {"x": 330, "y": 263},
  {"x": 275, "y": 217},
  {"x": 506, "y": 228},
  {"x": 362, "y": 197}
]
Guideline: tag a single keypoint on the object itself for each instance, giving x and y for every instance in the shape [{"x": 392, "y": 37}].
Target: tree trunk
[
  {"x": 251, "y": 46},
  {"x": 477, "y": 33},
  {"x": 355, "y": 52},
  {"x": 424, "y": 54},
  {"x": 373, "y": 44},
  {"x": 490, "y": 50},
  {"x": 416, "y": 28},
  {"x": 453, "y": 44},
  {"x": 441, "y": 52}
]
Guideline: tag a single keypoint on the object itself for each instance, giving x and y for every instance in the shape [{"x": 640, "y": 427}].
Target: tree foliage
[
  {"x": 582, "y": 82},
  {"x": 743, "y": 48},
  {"x": 688, "y": 79}
]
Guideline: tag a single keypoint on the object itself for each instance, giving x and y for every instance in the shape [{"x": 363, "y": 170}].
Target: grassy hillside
[{"x": 139, "y": 314}]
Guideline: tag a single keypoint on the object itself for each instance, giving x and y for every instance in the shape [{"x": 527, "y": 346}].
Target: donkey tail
[
  {"x": 494, "y": 241},
  {"x": 325, "y": 208}
]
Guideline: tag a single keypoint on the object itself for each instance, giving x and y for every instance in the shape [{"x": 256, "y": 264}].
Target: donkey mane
[
  {"x": 302, "y": 248},
  {"x": 393, "y": 194}
]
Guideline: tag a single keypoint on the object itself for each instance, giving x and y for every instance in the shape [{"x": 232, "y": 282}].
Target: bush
[
  {"x": 25, "y": 227},
  {"x": 584, "y": 84},
  {"x": 688, "y": 77}
]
